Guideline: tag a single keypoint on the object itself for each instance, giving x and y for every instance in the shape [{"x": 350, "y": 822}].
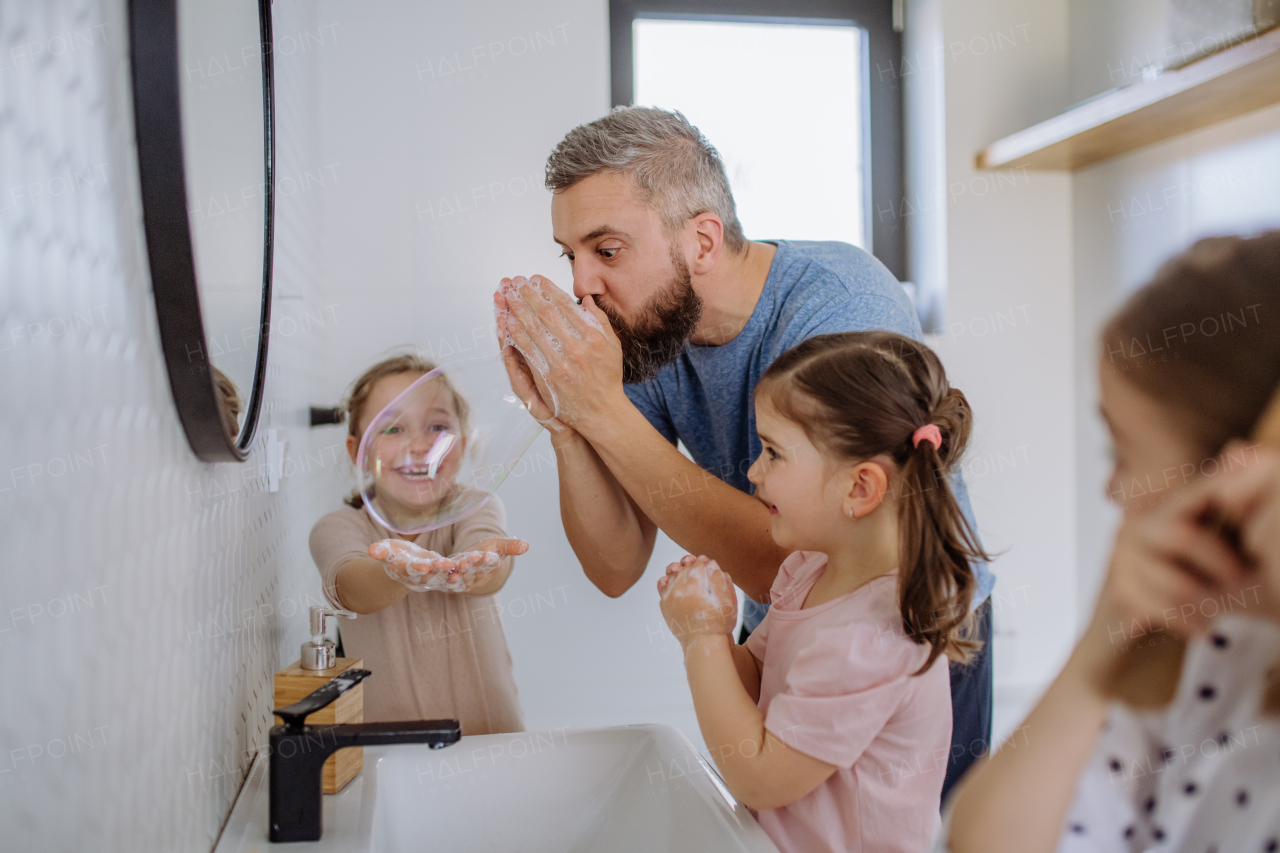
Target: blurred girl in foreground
[{"x": 1188, "y": 368}]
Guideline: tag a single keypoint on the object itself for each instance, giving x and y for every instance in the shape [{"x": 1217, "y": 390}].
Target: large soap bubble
[{"x": 437, "y": 452}]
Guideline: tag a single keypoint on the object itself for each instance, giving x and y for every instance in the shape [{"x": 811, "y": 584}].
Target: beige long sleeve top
[{"x": 434, "y": 655}]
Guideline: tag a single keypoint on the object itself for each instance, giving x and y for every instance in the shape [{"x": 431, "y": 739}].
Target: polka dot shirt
[{"x": 1201, "y": 776}]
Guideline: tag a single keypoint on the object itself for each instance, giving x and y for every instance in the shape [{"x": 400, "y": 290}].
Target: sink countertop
[{"x": 629, "y": 788}]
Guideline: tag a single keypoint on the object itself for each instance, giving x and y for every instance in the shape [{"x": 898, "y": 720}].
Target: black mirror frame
[{"x": 155, "y": 64}]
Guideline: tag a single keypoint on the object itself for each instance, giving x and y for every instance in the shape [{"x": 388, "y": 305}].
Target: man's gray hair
[{"x": 675, "y": 169}]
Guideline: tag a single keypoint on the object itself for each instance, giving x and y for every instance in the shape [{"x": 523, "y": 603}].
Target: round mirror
[
  {"x": 223, "y": 157},
  {"x": 203, "y": 107}
]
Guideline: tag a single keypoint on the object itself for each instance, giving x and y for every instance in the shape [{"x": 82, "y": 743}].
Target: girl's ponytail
[
  {"x": 935, "y": 580},
  {"x": 863, "y": 394}
]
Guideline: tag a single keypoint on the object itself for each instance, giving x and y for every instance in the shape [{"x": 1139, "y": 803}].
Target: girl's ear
[
  {"x": 868, "y": 485},
  {"x": 353, "y": 444}
]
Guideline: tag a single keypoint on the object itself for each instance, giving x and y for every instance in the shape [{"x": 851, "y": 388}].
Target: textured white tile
[{"x": 142, "y": 592}]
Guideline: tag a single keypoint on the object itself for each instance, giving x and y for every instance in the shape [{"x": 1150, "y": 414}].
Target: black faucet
[{"x": 298, "y": 753}]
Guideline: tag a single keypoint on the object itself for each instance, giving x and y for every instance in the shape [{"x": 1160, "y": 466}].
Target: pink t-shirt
[{"x": 837, "y": 685}]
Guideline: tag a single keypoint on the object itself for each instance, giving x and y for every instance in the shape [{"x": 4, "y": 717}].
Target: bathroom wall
[
  {"x": 1131, "y": 213},
  {"x": 1034, "y": 263},
  {"x": 437, "y": 120},
  {"x": 973, "y": 72},
  {"x": 145, "y": 597}
]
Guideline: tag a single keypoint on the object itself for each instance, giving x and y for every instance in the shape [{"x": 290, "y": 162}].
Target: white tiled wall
[{"x": 145, "y": 597}]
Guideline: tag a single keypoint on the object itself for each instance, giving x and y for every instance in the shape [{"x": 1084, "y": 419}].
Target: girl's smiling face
[
  {"x": 799, "y": 485},
  {"x": 418, "y": 455}
]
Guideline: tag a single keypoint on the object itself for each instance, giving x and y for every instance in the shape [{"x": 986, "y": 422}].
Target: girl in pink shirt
[{"x": 833, "y": 722}]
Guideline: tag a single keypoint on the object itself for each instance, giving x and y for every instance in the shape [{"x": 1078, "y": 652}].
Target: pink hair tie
[{"x": 929, "y": 433}]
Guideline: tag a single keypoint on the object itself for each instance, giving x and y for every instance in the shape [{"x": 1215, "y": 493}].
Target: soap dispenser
[{"x": 316, "y": 667}]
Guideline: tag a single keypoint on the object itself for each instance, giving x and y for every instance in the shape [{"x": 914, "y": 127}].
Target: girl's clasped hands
[{"x": 698, "y": 600}]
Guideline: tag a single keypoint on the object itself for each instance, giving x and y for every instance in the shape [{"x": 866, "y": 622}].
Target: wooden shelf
[{"x": 1220, "y": 86}]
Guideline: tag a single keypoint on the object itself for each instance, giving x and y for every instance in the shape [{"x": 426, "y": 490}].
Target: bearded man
[{"x": 688, "y": 314}]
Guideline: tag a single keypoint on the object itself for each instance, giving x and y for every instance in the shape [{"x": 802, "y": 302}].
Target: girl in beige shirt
[{"x": 433, "y": 653}]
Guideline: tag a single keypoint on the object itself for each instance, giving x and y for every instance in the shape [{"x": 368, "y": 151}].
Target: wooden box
[{"x": 294, "y": 683}]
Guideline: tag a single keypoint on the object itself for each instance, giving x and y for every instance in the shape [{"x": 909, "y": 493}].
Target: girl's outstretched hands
[
  {"x": 404, "y": 561},
  {"x": 697, "y": 599},
  {"x": 475, "y": 567},
  {"x": 420, "y": 569}
]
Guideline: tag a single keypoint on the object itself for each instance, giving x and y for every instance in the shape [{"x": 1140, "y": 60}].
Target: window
[
  {"x": 811, "y": 138},
  {"x": 793, "y": 150}
]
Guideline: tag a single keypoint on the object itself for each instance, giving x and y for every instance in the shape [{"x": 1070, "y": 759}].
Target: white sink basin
[{"x": 631, "y": 788}]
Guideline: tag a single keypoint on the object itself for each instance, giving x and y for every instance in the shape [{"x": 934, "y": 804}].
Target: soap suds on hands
[
  {"x": 422, "y": 570},
  {"x": 690, "y": 595},
  {"x": 544, "y": 287},
  {"x": 536, "y": 360}
]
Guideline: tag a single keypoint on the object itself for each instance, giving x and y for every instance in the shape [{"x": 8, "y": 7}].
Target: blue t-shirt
[{"x": 703, "y": 398}]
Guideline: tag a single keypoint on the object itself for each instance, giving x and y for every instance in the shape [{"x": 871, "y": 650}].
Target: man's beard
[{"x": 664, "y": 326}]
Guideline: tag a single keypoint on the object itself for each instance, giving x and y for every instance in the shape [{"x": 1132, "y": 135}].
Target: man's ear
[
  {"x": 868, "y": 484},
  {"x": 708, "y": 232}
]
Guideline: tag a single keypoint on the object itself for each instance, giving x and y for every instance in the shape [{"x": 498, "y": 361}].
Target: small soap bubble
[{"x": 441, "y": 449}]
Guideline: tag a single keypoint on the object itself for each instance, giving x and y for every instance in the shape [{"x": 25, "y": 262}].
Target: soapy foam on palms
[
  {"x": 445, "y": 580},
  {"x": 702, "y": 571},
  {"x": 711, "y": 603},
  {"x": 544, "y": 288},
  {"x": 536, "y": 360},
  {"x": 420, "y": 575},
  {"x": 539, "y": 283}
]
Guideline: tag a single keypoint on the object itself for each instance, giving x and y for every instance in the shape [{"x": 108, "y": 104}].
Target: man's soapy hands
[
  {"x": 563, "y": 359},
  {"x": 697, "y": 599},
  {"x": 420, "y": 569}
]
